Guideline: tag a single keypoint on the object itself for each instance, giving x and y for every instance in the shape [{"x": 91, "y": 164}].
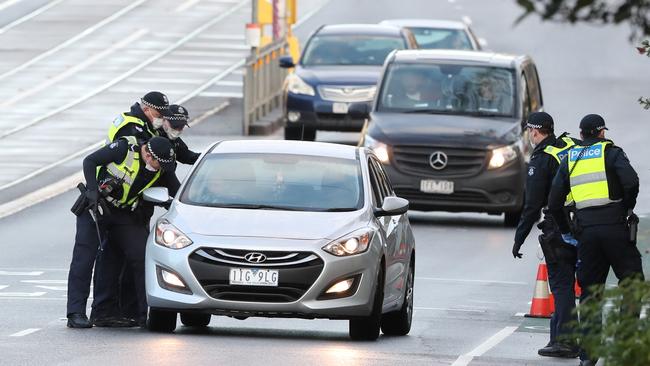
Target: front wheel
[
  {"x": 511, "y": 219},
  {"x": 161, "y": 321},
  {"x": 195, "y": 319},
  {"x": 398, "y": 323},
  {"x": 367, "y": 328}
]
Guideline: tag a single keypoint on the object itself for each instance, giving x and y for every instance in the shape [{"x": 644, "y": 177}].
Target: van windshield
[{"x": 449, "y": 89}]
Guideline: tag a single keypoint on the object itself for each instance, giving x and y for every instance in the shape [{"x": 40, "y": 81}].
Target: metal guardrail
[{"x": 263, "y": 81}]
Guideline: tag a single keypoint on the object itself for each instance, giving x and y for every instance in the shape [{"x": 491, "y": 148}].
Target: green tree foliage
[{"x": 625, "y": 337}]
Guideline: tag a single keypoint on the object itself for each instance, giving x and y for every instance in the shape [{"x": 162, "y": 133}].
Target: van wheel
[
  {"x": 511, "y": 219},
  {"x": 195, "y": 319},
  {"x": 161, "y": 321},
  {"x": 398, "y": 323},
  {"x": 292, "y": 133},
  {"x": 367, "y": 328}
]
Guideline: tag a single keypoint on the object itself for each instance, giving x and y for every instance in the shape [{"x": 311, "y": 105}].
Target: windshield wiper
[
  {"x": 338, "y": 209},
  {"x": 428, "y": 111},
  {"x": 256, "y": 207}
]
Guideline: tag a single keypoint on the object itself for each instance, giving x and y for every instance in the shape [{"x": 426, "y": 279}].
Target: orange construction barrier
[{"x": 542, "y": 305}]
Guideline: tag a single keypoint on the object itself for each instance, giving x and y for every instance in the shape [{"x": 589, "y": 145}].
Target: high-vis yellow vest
[
  {"x": 588, "y": 177},
  {"x": 560, "y": 153},
  {"x": 123, "y": 120},
  {"x": 126, "y": 172}
]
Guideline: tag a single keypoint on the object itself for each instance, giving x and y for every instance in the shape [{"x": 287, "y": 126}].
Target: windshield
[
  {"x": 435, "y": 38},
  {"x": 350, "y": 50},
  {"x": 449, "y": 89},
  {"x": 276, "y": 181}
]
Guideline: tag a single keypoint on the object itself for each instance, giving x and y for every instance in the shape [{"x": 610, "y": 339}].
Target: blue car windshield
[
  {"x": 276, "y": 181},
  {"x": 435, "y": 38},
  {"x": 350, "y": 50},
  {"x": 448, "y": 89}
]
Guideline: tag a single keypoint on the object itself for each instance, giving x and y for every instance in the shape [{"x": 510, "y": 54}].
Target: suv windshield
[
  {"x": 350, "y": 50},
  {"x": 449, "y": 89},
  {"x": 434, "y": 38},
  {"x": 276, "y": 181}
]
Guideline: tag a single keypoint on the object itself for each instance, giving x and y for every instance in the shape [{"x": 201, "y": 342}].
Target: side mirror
[
  {"x": 286, "y": 62},
  {"x": 156, "y": 195},
  {"x": 359, "y": 110},
  {"x": 393, "y": 206}
]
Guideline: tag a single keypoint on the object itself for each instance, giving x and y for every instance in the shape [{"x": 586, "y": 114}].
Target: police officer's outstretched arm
[
  {"x": 557, "y": 197},
  {"x": 183, "y": 153}
]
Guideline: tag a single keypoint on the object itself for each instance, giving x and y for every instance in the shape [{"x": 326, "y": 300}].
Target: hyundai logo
[
  {"x": 255, "y": 257},
  {"x": 438, "y": 160}
]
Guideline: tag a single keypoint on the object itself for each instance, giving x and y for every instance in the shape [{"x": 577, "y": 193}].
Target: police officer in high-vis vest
[
  {"x": 604, "y": 187},
  {"x": 560, "y": 257},
  {"x": 116, "y": 174}
]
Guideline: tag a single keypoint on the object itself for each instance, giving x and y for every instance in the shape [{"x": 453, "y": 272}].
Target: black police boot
[
  {"x": 77, "y": 320},
  {"x": 559, "y": 350}
]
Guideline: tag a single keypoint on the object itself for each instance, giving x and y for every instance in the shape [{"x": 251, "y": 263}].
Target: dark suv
[
  {"x": 448, "y": 125},
  {"x": 339, "y": 65}
]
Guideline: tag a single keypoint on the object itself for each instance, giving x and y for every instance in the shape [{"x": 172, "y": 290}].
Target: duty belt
[{"x": 116, "y": 203}]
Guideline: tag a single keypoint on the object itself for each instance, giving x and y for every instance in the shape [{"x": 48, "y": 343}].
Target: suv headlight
[
  {"x": 169, "y": 236},
  {"x": 502, "y": 156},
  {"x": 296, "y": 85},
  {"x": 380, "y": 149},
  {"x": 354, "y": 243}
]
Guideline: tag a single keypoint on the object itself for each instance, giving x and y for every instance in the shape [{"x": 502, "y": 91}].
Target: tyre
[
  {"x": 309, "y": 134},
  {"x": 292, "y": 133},
  {"x": 398, "y": 323},
  {"x": 161, "y": 321},
  {"x": 511, "y": 219},
  {"x": 367, "y": 328},
  {"x": 195, "y": 319}
]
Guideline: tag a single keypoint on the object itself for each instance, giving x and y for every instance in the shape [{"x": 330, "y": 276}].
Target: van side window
[
  {"x": 534, "y": 91},
  {"x": 525, "y": 97}
]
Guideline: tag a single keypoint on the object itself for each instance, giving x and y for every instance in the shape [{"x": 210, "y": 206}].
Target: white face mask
[
  {"x": 150, "y": 168},
  {"x": 157, "y": 123},
  {"x": 172, "y": 134}
]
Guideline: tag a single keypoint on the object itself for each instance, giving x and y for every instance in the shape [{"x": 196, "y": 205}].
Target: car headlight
[
  {"x": 380, "y": 149},
  {"x": 169, "y": 236},
  {"x": 296, "y": 85},
  {"x": 503, "y": 155},
  {"x": 351, "y": 244}
]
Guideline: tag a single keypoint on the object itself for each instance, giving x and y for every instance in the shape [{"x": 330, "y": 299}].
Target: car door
[{"x": 393, "y": 234}]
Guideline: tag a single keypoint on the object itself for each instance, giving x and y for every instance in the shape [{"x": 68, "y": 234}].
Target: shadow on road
[
  {"x": 457, "y": 220},
  {"x": 263, "y": 333}
]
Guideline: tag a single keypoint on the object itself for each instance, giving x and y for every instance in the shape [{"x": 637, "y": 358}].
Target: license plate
[
  {"x": 253, "y": 277},
  {"x": 437, "y": 186},
  {"x": 340, "y": 108}
]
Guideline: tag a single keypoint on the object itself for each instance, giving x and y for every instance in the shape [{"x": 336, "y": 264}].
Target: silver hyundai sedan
[{"x": 283, "y": 229}]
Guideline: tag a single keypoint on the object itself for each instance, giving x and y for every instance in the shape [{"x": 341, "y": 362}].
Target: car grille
[
  {"x": 460, "y": 161},
  {"x": 297, "y": 272},
  {"x": 347, "y": 94},
  {"x": 416, "y": 196}
]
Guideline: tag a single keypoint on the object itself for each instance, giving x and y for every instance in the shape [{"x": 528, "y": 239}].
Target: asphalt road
[{"x": 468, "y": 290}]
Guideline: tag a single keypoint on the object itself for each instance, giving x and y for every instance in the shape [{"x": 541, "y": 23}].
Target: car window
[
  {"x": 436, "y": 38},
  {"x": 350, "y": 49},
  {"x": 282, "y": 181},
  {"x": 375, "y": 182},
  {"x": 525, "y": 97},
  {"x": 533, "y": 86},
  {"x": 383, "y": 178},
  {"x": 448, "y": 88}
]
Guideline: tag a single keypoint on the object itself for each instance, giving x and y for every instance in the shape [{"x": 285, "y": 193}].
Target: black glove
[
  {"x": 92, "y": 195},
  {"x": 515, "y": 251}
]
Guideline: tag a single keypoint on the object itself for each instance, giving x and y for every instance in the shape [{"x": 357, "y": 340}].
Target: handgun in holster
[
  {"x": 81, "y": 204},
  {"x": 633, "y": 226}
]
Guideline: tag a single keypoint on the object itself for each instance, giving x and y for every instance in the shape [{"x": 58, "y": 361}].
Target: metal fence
[{"x": 263, "y": 81}]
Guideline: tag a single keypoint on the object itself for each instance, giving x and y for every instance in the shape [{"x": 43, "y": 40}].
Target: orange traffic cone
[
  {"x": 542, "y": 305},
  {"x": 577, "y": 289}
]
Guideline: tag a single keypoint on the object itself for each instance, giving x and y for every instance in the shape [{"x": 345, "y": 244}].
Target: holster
[
  {"x": 81, "y": 204},
  {"x": 553, "y": 247},
  {"x": 633, "y": 227}
]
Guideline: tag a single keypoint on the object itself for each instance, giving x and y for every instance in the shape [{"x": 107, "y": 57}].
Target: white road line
[
  {"x": 465, "y": 359},
  {"x": 14, "y": 273},
  {"x": 471, "y": 281},
  {"x": 83, "y": 34},
  {"x": 138, "y": 91},
  {"x": 189, "y": 70},
  {"x": 29, "y": 16},
  {"x": 222, "y": 94},
  {"x": 8, "y": 3},
  {"x": 451, "y": 309},
  {"x": 232, "y": 37},
  {"x": 46, "y": 282},
  {"x": 211, "y": 82},
  {"x": 75, "y": 69},
  {"x": 186, "y": 5},
  {"x": 125, "y": 75},
  {"x": 2, "y": 287},
  {"x": 520, "y": 314},
  {"x": 310, "y": 14},
  {"x": 215, "y": 54},
  {"x": 155, "y": 81},
  {"x": 220, "y": 46},
  {"x": 25, "y": 332},
  {"x": 22, "y": 294},
  {"x": 230, "y": 83},
  {"x": 186, "y": 61},
  {"x": 53, "y": 288}
]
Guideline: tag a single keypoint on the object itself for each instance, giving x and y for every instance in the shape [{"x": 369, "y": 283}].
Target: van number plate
[{"x": 437, "y": 186}]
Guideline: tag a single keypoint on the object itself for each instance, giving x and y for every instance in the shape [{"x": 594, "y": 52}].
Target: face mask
[
  {"x": 171, "y": 133},
  {"x": 150, "y": 168},
  {"x": 157, "y": 123}
]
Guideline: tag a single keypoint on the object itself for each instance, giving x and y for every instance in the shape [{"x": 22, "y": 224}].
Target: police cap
[
  {"x": 179, "y": 116},
  {"x": 540, "y": 120},
  {"x": 162, "y": 150},
  {"x": 158, "y": 101},
  {"x": 592, "y": 123}
]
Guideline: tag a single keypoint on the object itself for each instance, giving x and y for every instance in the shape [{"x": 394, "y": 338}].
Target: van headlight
[
  {"x": 351, "y": 244},
  {"x": 380, "y": 148},
  {"x": 169, "y": 236},
  {"x": 296, "y": 85},
  {"x": 502, "y": 156}
]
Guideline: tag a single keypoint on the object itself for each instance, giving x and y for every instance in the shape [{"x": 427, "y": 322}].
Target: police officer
[
  {"x": 118, "y": 173},
  {"x": 604, "y": 187},
  {"x": 560, "y": 257}
]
